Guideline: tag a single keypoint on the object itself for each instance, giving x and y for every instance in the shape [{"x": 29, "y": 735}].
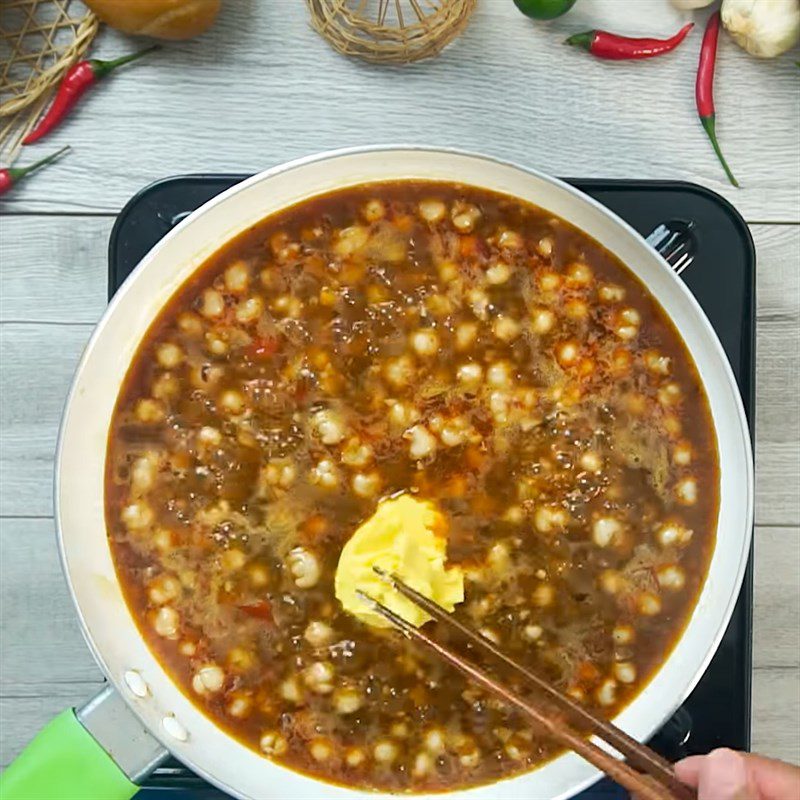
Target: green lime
[{"x": 544, "y": 9}]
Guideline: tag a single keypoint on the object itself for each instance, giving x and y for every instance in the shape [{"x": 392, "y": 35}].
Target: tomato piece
[
  {"x": 260, "y": 610},
  {"x": 263, "y": 347},
  {"x": 587, "y": 673}
]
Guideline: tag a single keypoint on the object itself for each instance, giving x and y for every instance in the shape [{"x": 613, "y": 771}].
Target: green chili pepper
[{"x": 544, "y": 9}]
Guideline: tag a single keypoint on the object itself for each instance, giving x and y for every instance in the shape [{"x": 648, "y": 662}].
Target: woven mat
[{"x": 39, "y": 41}]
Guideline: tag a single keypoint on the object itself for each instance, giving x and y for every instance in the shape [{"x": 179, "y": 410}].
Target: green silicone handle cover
[{"x": 64, "y": 762}]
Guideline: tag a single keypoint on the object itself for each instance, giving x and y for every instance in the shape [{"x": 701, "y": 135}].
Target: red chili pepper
[
  {"x": 78, "y": 79},
  {"x": 704, "y": 89},
  {"x": 622, "y": 48},
  {"x": 10, "y": 176},
  {"x": 260, "y": 610}
]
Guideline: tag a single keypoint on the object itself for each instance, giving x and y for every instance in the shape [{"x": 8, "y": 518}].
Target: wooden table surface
[{"x": 262, "y": 88}]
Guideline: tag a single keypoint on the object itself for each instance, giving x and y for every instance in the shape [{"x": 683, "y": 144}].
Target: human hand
[{"x": 727, "y": 775}]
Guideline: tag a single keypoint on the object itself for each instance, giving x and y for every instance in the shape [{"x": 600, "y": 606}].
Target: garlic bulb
[
  {"x": 689, "y": 5},
  {"x": 765, "y": 28}
]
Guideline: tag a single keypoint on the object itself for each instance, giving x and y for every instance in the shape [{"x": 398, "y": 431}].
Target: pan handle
[
  {"x": 676, "y": 242},
  {"x": 99, "y": 752}
]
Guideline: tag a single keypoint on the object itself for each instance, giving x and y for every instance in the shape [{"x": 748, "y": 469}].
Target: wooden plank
[
  {"x": 46, "y": 666},
  {"x": 776, "y": 606},
  {"x": 36, "y": 366},
  {"x": 777, "y": 369},
  {"x": 776, "y": 717},
  {"x": 263, "y": 87},
  {"x": 777, "y": 272},
  {"x": 41, "y": 640},
  {"x": 54, "y": 268}
]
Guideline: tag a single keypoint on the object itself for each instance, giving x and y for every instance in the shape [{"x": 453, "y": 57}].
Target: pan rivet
[
  {"x": 174, "y": 728},
  {"x": 135, "y": 683}
]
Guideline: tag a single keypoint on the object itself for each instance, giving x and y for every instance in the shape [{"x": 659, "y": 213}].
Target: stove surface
[{"x": 722, "y": 278}]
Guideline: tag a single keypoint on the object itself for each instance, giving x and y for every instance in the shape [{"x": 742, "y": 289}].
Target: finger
[
  {"x": 688, "y": 770},
  {"x": 764, "y": 778},
  {"x": 774, "y": 780},
  {"x": 723, "y": 776}
]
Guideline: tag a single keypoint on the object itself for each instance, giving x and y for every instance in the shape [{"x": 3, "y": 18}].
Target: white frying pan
[{"x": 145, "y": 714}]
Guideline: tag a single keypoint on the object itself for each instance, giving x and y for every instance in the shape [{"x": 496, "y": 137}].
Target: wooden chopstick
[
  {"x": 641, "y": 757},
  {"x": 622, "y": 773},
  {"x": 654, "y": 779}
]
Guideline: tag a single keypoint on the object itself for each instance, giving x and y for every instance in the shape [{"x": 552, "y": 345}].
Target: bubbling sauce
[{"x": 416, "y": 337}]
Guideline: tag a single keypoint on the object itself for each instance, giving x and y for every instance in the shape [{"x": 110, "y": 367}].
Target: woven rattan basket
[
  {"x": 39, "y": 41},
  {"x": 390, "y": 30}
]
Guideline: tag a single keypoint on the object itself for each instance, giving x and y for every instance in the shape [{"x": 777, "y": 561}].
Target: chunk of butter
[{"x": 406, "y": 537}]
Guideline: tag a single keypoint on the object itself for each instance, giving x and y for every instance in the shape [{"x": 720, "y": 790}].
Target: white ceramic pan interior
[{"x": 107, "y": 623}]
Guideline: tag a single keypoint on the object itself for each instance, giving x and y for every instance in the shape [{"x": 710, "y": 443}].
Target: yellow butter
[{"x": 407, "y": 537}]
